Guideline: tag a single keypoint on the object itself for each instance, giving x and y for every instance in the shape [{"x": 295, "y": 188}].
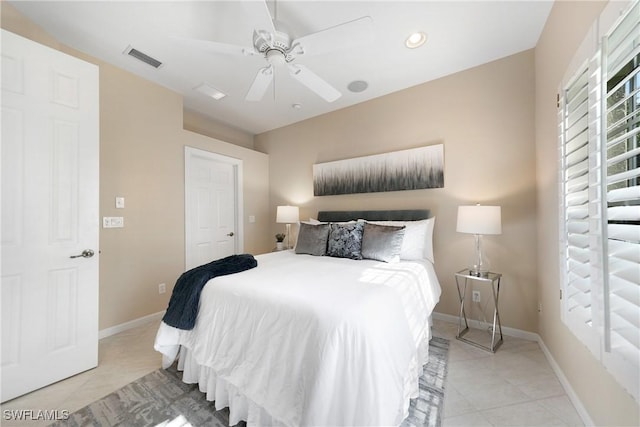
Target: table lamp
[
  {"x": 479, "y": 220},
  {"x": 287, "y": 215}
]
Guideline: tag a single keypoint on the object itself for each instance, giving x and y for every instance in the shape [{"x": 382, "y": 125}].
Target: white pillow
[{"x": 418, "y": 238}]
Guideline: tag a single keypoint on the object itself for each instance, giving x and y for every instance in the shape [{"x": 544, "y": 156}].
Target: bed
[{"x": 315, "y": 340}]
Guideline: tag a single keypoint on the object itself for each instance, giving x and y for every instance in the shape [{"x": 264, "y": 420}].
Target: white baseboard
[
  {"x": 531, "y": 336},
  {"x": 511, "y": 332},
  {"x": 577, "y": 403},
  {"x": 155, "y": 317}
]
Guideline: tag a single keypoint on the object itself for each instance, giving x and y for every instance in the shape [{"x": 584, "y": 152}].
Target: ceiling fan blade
[
  {"x": 260, "y": 84},
  {"x": 343, "y": 36},
  {"x": 314, "y": 82},
  {"x": 258, "y": 15},
  {"x": 216, "y": 47}
]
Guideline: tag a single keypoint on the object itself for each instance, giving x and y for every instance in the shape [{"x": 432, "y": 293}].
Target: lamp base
[
  {"x": 288, "y": 234},
  {"x": 473, "y": 271},
  {"x": 479, "y": 267}
]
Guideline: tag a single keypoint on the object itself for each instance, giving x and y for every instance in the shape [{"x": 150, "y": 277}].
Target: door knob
[
  {"x": 230, "y": 234},
  {"x": 87, "y": 253}
]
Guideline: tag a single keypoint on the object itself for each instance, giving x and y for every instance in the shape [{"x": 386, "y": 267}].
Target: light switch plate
[
  {"x": 112, "y": 222},
  {"x": 119, "y": 202}
]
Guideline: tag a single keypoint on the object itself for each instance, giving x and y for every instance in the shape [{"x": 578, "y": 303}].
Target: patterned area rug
[{"x": 161, "y": 398}]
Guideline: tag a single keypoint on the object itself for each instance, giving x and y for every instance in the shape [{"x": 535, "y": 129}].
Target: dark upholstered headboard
[{"x": 389, "y": 215}]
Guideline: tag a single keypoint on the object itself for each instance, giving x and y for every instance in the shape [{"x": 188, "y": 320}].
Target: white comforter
[{"x": 311, "y": 340}]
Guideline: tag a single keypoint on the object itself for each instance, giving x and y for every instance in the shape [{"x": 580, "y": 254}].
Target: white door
[
  {"x": 212, "y": 206},
  {"x": 50, "y": 147}
]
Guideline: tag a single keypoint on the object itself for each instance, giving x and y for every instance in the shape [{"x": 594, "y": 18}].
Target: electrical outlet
[
  {"x": 475, "y": 296},
  {"x": 162, "y": 288},
  {"x": 539, "y": 307}
]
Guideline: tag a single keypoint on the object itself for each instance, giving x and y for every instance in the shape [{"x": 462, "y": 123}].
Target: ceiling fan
[{"x": 280, "y": 50}]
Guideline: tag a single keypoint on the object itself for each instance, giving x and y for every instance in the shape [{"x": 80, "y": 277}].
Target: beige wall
[
  {"x": 607, "y": 403},
  {"x": 204, "y": 125},
  {"x": 142, "y": 159},
  {"x": 484, "y": 117}
]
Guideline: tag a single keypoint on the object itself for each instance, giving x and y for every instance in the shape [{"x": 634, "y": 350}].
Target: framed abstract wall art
[{"x": 413, "y": 169}]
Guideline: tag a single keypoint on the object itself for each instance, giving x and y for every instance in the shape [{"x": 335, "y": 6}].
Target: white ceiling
[{"x": 461, "y": 35}]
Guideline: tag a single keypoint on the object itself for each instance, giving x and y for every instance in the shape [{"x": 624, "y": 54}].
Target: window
[
  {"x": 599, "y": 134},
  {"x": 621, "y": 182}
]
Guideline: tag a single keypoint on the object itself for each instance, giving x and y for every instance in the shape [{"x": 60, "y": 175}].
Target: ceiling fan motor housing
[{"x": 271, "y": 45}]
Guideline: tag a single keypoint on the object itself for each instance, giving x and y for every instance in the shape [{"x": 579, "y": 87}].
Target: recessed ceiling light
[
  {"x": 296, "y": 106},
  {"x": 415, "y": 40},
  {"x": 358, "y": 86},
  {"x": 210, "y": 91}
]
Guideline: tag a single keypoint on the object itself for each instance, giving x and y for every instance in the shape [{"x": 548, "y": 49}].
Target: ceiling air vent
[{"x": 142, "y": 57}]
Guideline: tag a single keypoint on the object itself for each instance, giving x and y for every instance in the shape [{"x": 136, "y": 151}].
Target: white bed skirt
[{"x": 241, "y": 408}]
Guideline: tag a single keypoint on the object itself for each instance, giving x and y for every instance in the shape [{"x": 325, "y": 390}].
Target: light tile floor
[{"x": 513, "y": 387}]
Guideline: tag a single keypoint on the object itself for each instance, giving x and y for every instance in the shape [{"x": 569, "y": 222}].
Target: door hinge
[
  {"x": 558, "y": 100},
  {"x": 560, "y": 293}
]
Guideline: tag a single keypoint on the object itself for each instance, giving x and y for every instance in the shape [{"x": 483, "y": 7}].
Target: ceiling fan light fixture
[
  {"x": 210, "y": 91},
  {"x": 415, "y": 40},
  {"x": 275, "y": 57}
]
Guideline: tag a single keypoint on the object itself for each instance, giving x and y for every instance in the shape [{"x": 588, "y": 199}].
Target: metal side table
[{"x": 462, "y": 279}]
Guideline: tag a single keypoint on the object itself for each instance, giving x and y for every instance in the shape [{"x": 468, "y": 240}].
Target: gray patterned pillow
[
  {"x": 345, "y": 240},
  {"x": 382, "y": 242},
  {"x": 312, "y": 239}
]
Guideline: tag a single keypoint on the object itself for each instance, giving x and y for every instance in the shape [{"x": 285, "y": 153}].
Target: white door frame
[{"x": 189, "y": 153}]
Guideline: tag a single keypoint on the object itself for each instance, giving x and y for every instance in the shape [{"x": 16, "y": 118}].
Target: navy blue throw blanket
[{"x": 185, "y": 299}]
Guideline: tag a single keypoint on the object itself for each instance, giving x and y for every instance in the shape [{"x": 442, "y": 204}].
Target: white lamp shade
[
  {"x": 479, "y": 219},
  {"x": 287, "y": 214}
]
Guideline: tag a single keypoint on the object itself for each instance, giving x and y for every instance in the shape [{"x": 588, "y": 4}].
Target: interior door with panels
[
  {"x": 50, "y": 218},
  {"x": 212, "y": 196}
]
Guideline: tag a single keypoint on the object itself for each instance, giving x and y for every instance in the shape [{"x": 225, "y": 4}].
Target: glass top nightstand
[{"x": 493, "y": 280}]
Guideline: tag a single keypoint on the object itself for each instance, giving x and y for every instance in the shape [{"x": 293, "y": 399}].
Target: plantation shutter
[
  {"x": 599, "y": 141},
  {"x": 622, "y": 209},
  {"x": 576, "y": 253}
]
